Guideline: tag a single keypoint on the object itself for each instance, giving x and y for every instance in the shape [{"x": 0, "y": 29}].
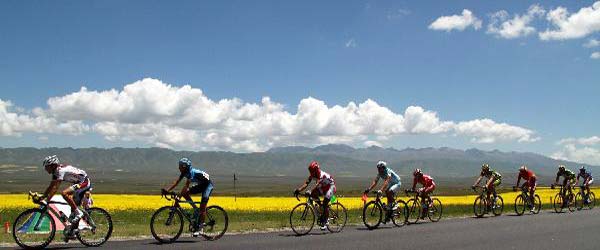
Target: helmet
[
  {"x": 185, "y": 162},
  {"x": 561, "y": 167},
  {"x": 485, "y": 167},
  {"x": 523, "y": 168},
  {"x": 381, "y": 164},
  {"x": 417, "y": 172},
  {"x": 51, "y": 160},
  {"x": 314, "y": 168},
  {"x": 582, "y": 169}
]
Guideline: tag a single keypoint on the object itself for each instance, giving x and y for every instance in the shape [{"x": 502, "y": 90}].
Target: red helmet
[
  {"x": 313, "y": 167},
  {"x": 417, "y": 172},
  {"x": 523, "y": 169}
]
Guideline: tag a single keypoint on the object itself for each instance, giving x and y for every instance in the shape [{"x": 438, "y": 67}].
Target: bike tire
[
  {"x": 372, "y": 214},
  {"x": 498, "y": 208},
  {"x": 520, "y": 205},
  {"x": 435, "y": 211},
  {"x": 96, "y": 218},
  {"x": 173, "y": 215},
  {"x": 306, "y": 214},
  {"x": 571, "y": 202},
  {"x": 579, "y": 201},
  {"x": 217, "y": 222},
  {"x": 557, "y": 203},
  {"x": 592, "y": 202},
  {"x": 479, "y": 206},
  {"x": 414, "y": 211},
  {"x": 537, "y": 204},
  {"x": 338, "y": 216},
  {"x": 400, "y": 215},
  {"x": 28, "y": 217}
]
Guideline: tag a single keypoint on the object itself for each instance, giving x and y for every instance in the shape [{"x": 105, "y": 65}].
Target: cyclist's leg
[
  {"x": 205, "y": 196},
  {"x": 588, "y": 183},
  {"x": 390, "y": 193},
  {"x": 490, "y": 188},
  {"x": 427, "y": 191},
  {"x": 532, "y": 187},
  {"x": 185, "y": 193}
]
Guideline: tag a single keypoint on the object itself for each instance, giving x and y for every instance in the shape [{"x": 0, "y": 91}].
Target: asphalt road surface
[{"x": 547, "y": 230}]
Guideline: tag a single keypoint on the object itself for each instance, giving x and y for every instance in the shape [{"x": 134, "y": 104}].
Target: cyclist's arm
[
  {"x": 303, "y": 186},
  {"x": 51, "y": 189},
  {"x": 385, "y": 183},
  {"x": 518, "y": 181},
  {"x": 478, "y": 180},
  {"x": 373, "y": 183},
  {"x": 174, "y": 184},
  {"x": 490, "y": 181},
  {"x": 557, "y": 177},
  {"x": 414, "y": 183},
  {"x": 186, "y": 185}
]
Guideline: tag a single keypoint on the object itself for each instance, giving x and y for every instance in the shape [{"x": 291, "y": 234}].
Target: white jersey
[
  {"x": 70, "y": 174},
  {"x": 325, "y": 179}
]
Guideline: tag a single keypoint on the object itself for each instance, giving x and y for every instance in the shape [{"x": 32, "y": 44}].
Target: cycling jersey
[
  {"x": 325, "y": 185},
  {"x": 395, "y": 179},
  {"x": 491, "y": 173},
  {"x": 424, "y": 180},
  {"x": 195, "y": 175},
  {"x": 568, "y": 174},
  {"x": 585, "y": 175},
  {"x": 324, "y": 179},
  {"x": 527, "y": 175},
  {"x": 69, "y": 173}
]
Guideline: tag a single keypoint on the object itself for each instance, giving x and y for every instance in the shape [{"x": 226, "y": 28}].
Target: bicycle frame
[
  {"x": 176, "y": 201},
  {"x": 46, "y": 208}
]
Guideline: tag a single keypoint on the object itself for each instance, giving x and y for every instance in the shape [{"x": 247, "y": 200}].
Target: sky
[{"x": 245, "y": 76}]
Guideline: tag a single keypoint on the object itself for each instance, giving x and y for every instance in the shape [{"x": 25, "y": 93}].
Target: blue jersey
[
  {"x": 388, "y": 173},
  {"x": 196, "y": 175},
  {"x": 585, "y": 175}
]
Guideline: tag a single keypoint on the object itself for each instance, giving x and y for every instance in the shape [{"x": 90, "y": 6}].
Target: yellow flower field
[{"x": 114, "y": 202}]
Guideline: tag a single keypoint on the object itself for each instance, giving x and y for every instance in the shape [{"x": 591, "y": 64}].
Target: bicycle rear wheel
[
  {"x": 592, "y": 200},
  {"x": 33, "y": 229},
  {"x": 579, "y": 201},
  {"x": 337, "y": 217},
  {"x": 537, "y": 204},
  {"x": 216, "y": 223},
  {"x": 96, "y": 228},
  {"x": 166, "y": 224},
  {"x": 302, "y": 219},
  {"x": 435, "y": 211},
  {"x": 479, "y": 206},
  {"x": 414, "y": 210},
  {"x": 520, "y": 204},
  {"x": 558, "y": 203},
  {"x": 571, "y": 202},
  {"x": 498, "y": 206},
  {"x": 372, "y": 214},
  {"x": 400, "y": 214}
]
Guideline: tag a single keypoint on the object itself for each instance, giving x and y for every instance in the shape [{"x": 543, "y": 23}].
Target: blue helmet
[{"x": 185, "y": 162}]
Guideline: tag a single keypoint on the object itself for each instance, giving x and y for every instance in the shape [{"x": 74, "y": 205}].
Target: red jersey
[
  {"x": 526, "y": 175},
  {"x": 424, "y": 180}
]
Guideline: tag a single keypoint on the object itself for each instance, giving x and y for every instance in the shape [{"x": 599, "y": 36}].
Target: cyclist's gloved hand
[
  {"x": 473, "y": 187},
  {"x": 296, "y": 192},
  {"x": 379, "y": 192}
]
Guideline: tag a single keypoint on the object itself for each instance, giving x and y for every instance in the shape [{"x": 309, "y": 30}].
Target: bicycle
[
  {"x": 483, "y": 205},
  {"x": 35, "y": 228},
  {"x": 562, "y": 200},
  {"x": 375, "y": 210},
  {"x": 432, "y": 207},
  {"x": 582, "y": 199},
  {"x": 167, "y": 222},
  {"x": 523, "y": 200},
  {"x": 304, "y": 215}
]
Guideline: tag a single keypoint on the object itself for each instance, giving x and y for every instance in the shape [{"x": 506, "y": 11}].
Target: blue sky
[{"x": 335, "y": 52}]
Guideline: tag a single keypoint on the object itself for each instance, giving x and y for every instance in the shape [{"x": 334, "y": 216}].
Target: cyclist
[
  {"x": 201, "y": 184},
  {"x": 494, "y": 180},
  {"x": 74, "y": 193},
  {"x": 391, "y": 183},
  {"x": 568, "y": 178},
  {"x": 427, "y": 182},
  {"x": 587, "y": 180},
  {"x": 530, "y": 182},
  {"x": 325, "y": 186}
]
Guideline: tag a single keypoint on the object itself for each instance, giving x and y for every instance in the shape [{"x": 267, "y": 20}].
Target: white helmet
[
  {"x": 381, "y": 164},
  {"x": 51, "y": 160}
]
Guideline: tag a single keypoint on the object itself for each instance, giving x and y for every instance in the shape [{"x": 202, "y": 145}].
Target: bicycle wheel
[
  {"x": 95, "y": 228},
  {"x": 558, "y": 203},
  {"x": 33, "y": 229},
  {"x": 435, "y": 211},
  {"x": 337, "y": 217},
  {"x": 400, "y": 214},
  {"x": 537, "y": 204},
  {"x": 372, "y": 214},
  {"x": 520, "y": 204},
  {"x": 414, "y": 211},
  {"x": 302, "y": 218},
  {"x": 592, "y": 200},
  {"x": 498, "y": 206},
  {"x": 479, "y": 206},
  {"x": 579, "y": 201},
  {"x": 571, "y": 202},
  {"x": 166, "y": 224},
  {"x": 216, "y": 223}
]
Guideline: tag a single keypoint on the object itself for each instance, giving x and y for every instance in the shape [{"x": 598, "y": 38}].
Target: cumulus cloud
[
  {"x": 592, "y": 43},
  {"x": 571, "y": 26},
  {"x": 518, "y": 26},
  {"x": 351, "y": 43},
  {"x": 595, "y": 55},
  {"x": 457, "y": 22},
  {"x": 585, "y": 150},
  {"x": 14, "y": 124},
  {"x": 183, "y": 117}
]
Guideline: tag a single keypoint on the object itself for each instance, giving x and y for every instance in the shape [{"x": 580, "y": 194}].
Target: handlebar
[
  {"x": 35, "y": 197},
  {"x": 481, "y": 187},
  {"x": 169, "y": 195}
]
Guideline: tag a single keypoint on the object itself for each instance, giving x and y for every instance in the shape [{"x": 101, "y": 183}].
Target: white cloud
[
  {"x": 585, "y": 150},
  {"x": 351, "y": 43},
  {"x": 152, "y": 112},
  {"x": 372, "y": 143},
  {"x": 518, "y": 26},
  {"x": 14, "y": 124},
  {"x": 595, "y": 55},
  {"x": 592, "y": 43},
  {"x": 457, "y": 22},
  {"x": 397, "y": 14},
  {"x": 571, "y": 26}
]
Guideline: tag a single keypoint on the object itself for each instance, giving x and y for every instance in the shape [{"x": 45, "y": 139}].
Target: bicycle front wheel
[
  {"x": 520, "y": 204},
  {"x": 302, "y": 219},
  {"x": 537, "y": 204},
  {"x": 372, "y": 215},
  {"x": 480, "y": 206},
  {"x": 33, "y": 229},
  {"x": 166, "y": 224},
  {"x": 95, "y": 228},
  {"x": 498, "y": 206},
  {"x": 558, "y": 203},
  {"x": 216, "y": 223},
  {"x": 592, "y": 200},
  {"x": 400, "y": 214},
  {"x": 337, "y": 217},
  {"x": 435, "y": 211},
  {"x": 571, "y": 202},
  {"x": 414, "y": 210}
]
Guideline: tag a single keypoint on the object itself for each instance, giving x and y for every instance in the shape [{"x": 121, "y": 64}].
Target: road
[{"x": 546, "y": 230}]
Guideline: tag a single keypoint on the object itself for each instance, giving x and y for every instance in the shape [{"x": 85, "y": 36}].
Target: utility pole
[{"x": 234, "y": 189}]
